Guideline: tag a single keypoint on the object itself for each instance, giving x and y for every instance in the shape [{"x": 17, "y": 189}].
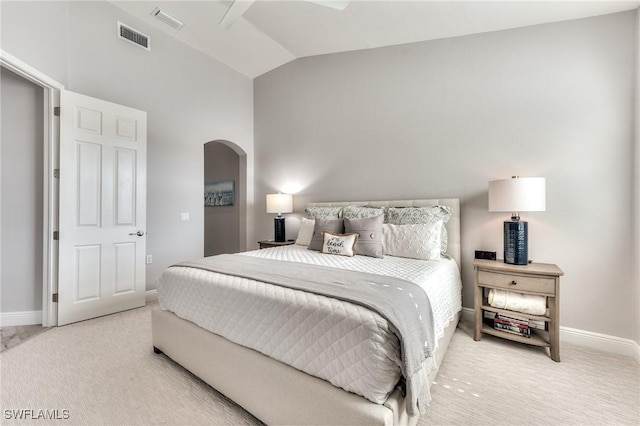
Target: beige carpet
[{"x": 104, "y": 371}]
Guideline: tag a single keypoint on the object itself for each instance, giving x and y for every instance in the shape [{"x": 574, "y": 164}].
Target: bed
[{"x": 280, "y": 382}]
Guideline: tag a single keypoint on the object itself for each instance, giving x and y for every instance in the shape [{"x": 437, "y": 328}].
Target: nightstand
[
  {"x": 272, "y": 243},
  {"x": 541, "y": 279}
]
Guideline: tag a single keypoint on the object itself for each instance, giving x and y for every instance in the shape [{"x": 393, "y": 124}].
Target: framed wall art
[{"x": 219, "y": 194}]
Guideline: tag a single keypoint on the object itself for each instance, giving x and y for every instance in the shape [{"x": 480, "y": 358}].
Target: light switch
[{"x": 184, "y": 216}]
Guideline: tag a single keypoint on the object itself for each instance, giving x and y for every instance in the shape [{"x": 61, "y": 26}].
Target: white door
[{"x": 102, "y": 208}]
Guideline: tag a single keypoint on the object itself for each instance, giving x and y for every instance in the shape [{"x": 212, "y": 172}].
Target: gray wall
[
  {"x": 442, "y": 118},
  {"x": 21, "y": 192},
  {"x": 221, "y": 223},
  {"x": 190, "y": 99},
  {"x": 636, "y": 188}
]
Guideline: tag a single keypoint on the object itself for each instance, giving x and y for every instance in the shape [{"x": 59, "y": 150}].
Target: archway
[{"x": 225, "y": 184}]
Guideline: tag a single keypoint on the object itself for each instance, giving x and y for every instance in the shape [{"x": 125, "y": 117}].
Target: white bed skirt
[{"x": 272, "y": 391}]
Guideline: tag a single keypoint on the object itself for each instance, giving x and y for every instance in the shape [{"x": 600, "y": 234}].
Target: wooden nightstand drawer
[{"x": 522, "y": 283}]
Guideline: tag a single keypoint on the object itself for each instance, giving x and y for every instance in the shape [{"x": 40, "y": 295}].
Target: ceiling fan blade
[
  {"x": 237, "y": 8},
  {"x": 333, "y": 4}
]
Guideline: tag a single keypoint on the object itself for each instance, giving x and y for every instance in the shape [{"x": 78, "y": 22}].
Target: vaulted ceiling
[{"x": 272, "y": 33}]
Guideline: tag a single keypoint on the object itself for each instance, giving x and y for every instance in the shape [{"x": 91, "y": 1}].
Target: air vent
[
  {"x": 136, "y": 37},
  {"x": 167, "y": 19}
]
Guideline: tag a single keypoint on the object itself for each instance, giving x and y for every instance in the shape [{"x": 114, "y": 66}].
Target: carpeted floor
[{"x": 104, "y": 371}]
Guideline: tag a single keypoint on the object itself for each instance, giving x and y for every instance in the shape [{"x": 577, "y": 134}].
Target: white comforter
[{"x": 345, "y": 344}]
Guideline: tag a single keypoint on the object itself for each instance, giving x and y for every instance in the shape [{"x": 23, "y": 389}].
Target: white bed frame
[{"x": 274, "y": 392}]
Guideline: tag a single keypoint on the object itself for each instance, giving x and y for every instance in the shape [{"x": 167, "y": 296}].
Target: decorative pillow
[
  {"x": 414, "y": 215},
  {"x": 323, "y": 213},
  {"x": 369, "y": 234},
  {"x": 340, "y": 244},
  {"x": 361, "y": 212},
  {"x": 305, "y": 232},
  {"x": 335, "y": 226},
  {"x": 415, "y": 241}
]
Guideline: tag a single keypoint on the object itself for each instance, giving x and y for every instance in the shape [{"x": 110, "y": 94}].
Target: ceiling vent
[
  {"x": 125, "y": 32},
  {"x": 167, "y": 19}
]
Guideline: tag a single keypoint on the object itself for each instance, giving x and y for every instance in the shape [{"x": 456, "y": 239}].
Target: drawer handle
[{"x": 513, "y": 283}]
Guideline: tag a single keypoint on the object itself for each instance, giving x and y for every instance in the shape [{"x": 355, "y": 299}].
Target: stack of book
[
  {"x": 511, "y": 325},
  {"x": 532, "y": 323}
]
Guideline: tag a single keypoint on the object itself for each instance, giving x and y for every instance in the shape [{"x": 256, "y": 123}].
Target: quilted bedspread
[{"x": 343, "y": 343}]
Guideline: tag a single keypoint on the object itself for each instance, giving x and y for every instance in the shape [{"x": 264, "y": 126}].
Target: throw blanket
[
  {"x": 527, "y": 303},
  {"x": 402, "y": 303}
]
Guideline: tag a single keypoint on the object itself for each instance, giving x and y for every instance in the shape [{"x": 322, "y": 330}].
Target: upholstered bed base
[{"x": 272, "y": 391}]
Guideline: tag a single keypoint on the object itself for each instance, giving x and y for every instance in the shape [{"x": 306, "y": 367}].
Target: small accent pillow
[
  {"x": 415, "y": 241},
  {"x": 369, "y": 234},
  {"x": 361, "y": 212},
  {"x": 323, "y": 213},
  {"x": 305, "y": 232},
  {"x": 340, "y": 244},
  {"x": 335, "y": 226}
]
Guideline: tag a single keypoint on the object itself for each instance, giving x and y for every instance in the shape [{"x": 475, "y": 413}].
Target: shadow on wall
[{"x": 224, "y": 198}]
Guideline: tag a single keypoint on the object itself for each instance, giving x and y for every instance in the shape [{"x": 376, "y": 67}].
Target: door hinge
[
  {"x": 56, "y": 173},
  {"x": 54, "y": 297},
  {"x": 56, "y": 111},
  {"x": 56, "y": 235}
]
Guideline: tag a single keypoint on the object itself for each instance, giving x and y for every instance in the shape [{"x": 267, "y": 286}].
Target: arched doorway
[{"x": 225, "y": 169}]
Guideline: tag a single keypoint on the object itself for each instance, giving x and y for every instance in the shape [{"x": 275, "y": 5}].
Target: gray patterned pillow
[
  {"x": 414, "y": 215},
  {"x": 335, "y": 226},
  {"x": 361, "y": 212},
  {"x": 323, "y": 212},
  {"x": 369, "y": 232}
]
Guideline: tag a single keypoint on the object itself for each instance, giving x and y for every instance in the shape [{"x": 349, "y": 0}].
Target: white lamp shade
[
  {"x": 517, "y": 195},
  {"x": 279, "y": 203}
]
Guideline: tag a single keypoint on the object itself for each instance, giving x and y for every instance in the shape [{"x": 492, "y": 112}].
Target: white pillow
[
  {"x": 306, "y": 232},
  {"x": 415, "y": 241},
  {"x": 340, "y": 244}
]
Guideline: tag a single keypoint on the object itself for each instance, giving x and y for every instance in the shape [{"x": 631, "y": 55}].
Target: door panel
[
  {"x": 88, "y": 120},
  {"x": 102, "y": 208},
  {"x": 126, "y": 186},
  {"x": 125, "y": 268},
  {"x": 87, "y": 282},
  {"x": 89, "y": 164}
]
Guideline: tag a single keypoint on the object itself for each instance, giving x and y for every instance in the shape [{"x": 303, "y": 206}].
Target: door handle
[{"x": 139, "y": 233}]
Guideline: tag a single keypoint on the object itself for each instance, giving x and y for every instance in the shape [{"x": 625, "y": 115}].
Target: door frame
[{"x": 51, "y": 141}]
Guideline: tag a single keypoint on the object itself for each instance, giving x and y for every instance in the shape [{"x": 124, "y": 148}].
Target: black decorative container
[
  {"x": 516, "y": 243},
  {"x": 279, "y": 229}
]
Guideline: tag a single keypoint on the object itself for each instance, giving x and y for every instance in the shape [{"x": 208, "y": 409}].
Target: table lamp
[
  {"x": 279, "y": 203},
  {"x": 517, "y": 195}
]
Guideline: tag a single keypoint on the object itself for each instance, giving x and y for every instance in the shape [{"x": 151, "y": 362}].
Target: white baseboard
[
  {"x": 601, "y": 342},
  {"x": 8, "y": 319},
  {"x": 151, "y": 295},
  {"x": 468, "y": 315}
]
